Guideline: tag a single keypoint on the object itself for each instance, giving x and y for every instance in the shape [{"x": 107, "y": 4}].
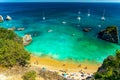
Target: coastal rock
[
  {"x": 1, "y": 18},
  {"x": 8, "y": 17},
  {"x": 109, "y": 34},
  {"x": 13, "y": 28},
  {"x": 27, "y": 39},
  {"x": 87, "y": 29}
]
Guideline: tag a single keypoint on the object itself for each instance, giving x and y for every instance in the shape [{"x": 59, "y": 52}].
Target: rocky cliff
[{"x": 109, "y": 34}]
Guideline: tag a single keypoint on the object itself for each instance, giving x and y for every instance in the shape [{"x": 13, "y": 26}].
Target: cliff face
[{"x": 109, "y": 34}]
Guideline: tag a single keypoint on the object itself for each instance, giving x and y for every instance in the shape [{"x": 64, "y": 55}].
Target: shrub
[{"x": 31, "y": 75}]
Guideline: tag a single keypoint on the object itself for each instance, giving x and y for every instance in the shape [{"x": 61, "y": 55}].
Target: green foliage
[
  {"x": 110, "y": 69},
  {"x": 31, "y": 75},
  {"x": 111, "y": 28},
  {"x": 118, "y": 55},
  {"x": 12, "y": 50},
  {"x": 9, "y": 34}
]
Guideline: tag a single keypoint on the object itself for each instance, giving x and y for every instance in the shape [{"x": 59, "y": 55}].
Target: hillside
[
  {"x": 110, "y": 69},
  {"x": 12, "y": 51}
]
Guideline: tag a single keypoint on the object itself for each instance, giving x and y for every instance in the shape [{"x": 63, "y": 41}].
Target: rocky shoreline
[{"x": 7, "y": 18}]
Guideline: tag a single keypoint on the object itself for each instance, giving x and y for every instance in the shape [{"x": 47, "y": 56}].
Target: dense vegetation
[
  {"x": 31, "y": 75},
  {"x": 110, "y": 69},
  {"x": 10, "y": 35},
  {"x": 12, "y": 50}
]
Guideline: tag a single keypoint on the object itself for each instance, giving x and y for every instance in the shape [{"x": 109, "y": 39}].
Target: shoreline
[{"x": 69, "y": 66}]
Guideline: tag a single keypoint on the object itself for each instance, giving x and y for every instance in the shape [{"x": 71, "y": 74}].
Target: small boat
[
  {"x": 88, "y": 13},
  {"x": 78, "y": 12},
  {"x": 73, "y": 34},
  {"x": 50, "y": 30},
  {"x": 44, "y": 18},
  {"x": 21, "y": 29},
  {"x": 87, "y": 29},
  {"x": 103, "y": 18},
  {"x": 64, "y": 22},
  {"x": 99, "y": 25},
  {"x": 79, "y": 18}
]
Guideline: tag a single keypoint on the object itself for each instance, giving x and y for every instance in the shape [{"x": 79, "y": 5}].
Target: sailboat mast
[
  {"x": 43, "y": 16},
  {"x": 88, "y": 11},
  {"x": 104, "y": 13},
  {"x": 79, "y": 12}
]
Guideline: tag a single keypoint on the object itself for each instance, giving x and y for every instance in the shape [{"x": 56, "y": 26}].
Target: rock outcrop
[
  {"x": 13, "y": 28},
  {"x": 109, "y": 34},
  {"x": 8, "y": 18},
  {"x": 27, "y": 39},
  {"x": 1, "y": 18}
]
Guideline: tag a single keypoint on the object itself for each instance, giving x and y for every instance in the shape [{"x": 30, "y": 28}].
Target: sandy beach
[{"x": 68, "y": 66}]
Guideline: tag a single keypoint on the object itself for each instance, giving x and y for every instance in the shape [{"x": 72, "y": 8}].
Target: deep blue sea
[{"x": 64, "y": 41}]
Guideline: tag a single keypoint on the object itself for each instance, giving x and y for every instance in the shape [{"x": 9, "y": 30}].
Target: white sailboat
[
  {"x": 103, "y": 18},
  {"x": 78, "y": 12},
  {"x": 43, "y": 17},
  {"x": 99, "y": 26},
  {"x": 78, "y": 18},
  {"x": 88, "y": 13}
]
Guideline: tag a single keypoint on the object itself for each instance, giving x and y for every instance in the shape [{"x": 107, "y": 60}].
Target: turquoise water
[
  {"x": 61, "y": 44},
  {"x": 66, "y": 41}
]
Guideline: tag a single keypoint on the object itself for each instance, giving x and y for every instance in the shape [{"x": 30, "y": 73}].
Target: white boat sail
[
  {"x": 103, "y": 18},
  {"x": 43, "y": 17},
  {"x": 79, "y": 18},
  {"x": 88, "y": 13}
]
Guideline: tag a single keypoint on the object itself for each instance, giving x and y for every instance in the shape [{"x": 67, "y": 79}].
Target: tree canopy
[{"x": 12, "y": 51}]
